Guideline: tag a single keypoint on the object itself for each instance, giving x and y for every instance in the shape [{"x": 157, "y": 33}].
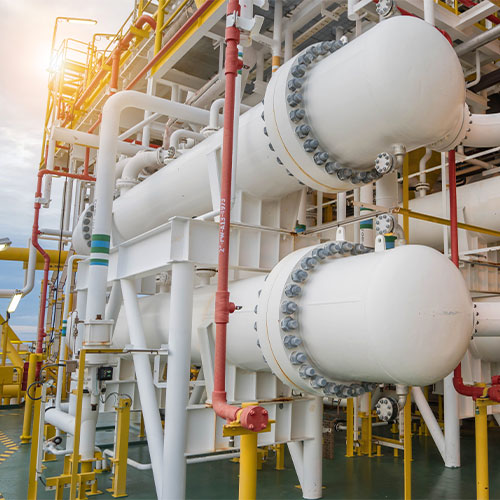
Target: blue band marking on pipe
[
  {"x": 103, "y": 244},
  {"x": 99, "y": 262}
]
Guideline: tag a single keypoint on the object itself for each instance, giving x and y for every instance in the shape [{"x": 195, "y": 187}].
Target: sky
[{"x": 26, "y": 28}]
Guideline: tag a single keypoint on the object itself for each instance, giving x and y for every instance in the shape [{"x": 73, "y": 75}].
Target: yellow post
[
  {"x": 119, "y": 480},
  {"x": 159, "y": 25},
  {"x": 141, "y": 427},
  {"x": 280, "y": 456},
  {"x": 75, "y": 459},
  {"x": 407, "y": 446},
  {"x": 350, "y": 428},
  {"x": 32, "y": 478},
  {"x": 50, "y": 432},
  {"x": 482, "y": 480},
  {"x": 248, "y": 466},
  {"x": 28, "y": 406}
]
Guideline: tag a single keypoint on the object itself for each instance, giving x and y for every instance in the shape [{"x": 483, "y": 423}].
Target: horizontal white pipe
[
  {"x": 29, "y": 280},
  {"x": 51, "y": 448},
  {"x": 132, "y": 463},
  {"x": 215, "y": 109},
  {"x": 60, "y": 420},
  {"x": 138, "y": 126},
  {"x": 487, "y": 319},
  {"x": 69, "y": 136},
  {"x": 55, "y": 232},
  {"x": 134, "y": 166},
  {"x": 429, "y": 419},
  {"x": 212, "y": 458},
  {"x": 184, "y": 134},
  {"x": 208, "y": 215}
]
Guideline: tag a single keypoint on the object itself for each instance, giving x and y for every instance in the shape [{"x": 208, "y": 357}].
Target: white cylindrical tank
[
  {"x": 400, "y": 83},
  {"x": 399, "y": 316}
]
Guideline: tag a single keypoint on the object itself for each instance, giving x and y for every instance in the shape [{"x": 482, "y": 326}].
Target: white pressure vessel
[
  {"x": 398, "y": 83},
  {"x": 398, "y": 316}
]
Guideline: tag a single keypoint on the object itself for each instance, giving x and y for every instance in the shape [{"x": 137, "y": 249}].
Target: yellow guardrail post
[
  {"x": 28, "y": 403},
  {"x": 119, "y": 479},
  {"x": 32, "y": 478},
  {"x": 481, "y": 421}
]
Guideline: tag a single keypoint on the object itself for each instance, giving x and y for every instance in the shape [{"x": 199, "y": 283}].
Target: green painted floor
[{"x": 361, "y": 477}]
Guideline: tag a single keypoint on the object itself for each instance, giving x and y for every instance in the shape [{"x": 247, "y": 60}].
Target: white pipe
[
  {"x": 85, "y": 139},
  {"x": 149, "y": 403},
  {"x": 216, "y": 108},
  {"x": 341, "y": 206},
  {"x": 55, "y": 232},
  {"x": 61, "y": 420},
  {"x": 135, "y": 165},
  {"x": 184, "y": 134},
  {"x": 451, "y": 424},
  {"x": 177, "y": 391},
  {"x": 421, "y": 168},
  {"x": 132, "y": 463},
  {"x": 429, "y": 419},
  {"x": 313, "y": 452},
  {"x": 212, "y": 458},
  {"x": 114, "y": 302},
  {"x": 208, "y": 215},
  {"x": 484, "y": 131},
  {"x": 29, "y": 280},
  {"x": 138, "y": 126},
  {"x": 104, "y": 188},
  {"x": 62, "y": 343},
  {"x": 429, "y": 12},
  {"x": 288, "y": 52},
  {"x": 51, "y": 448},
  {"x": 277, "y": 34},
  {"x": 478, "y": 71}
]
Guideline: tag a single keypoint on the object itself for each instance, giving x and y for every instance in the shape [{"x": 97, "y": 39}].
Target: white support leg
[
  {"x": 149, "y": 404},
  {"x": 451, "y": 424},
  {"x": 313, "y": 452},
  {"x": 178, "y": 369}
]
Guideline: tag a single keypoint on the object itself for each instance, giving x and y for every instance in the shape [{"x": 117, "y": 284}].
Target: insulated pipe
[
  {"x": 313, "y": 452},
  {"x": 34, "y": 241},
  {"x": 178, "y": 374},
  {"x": 134, "y": 166},
  {"x": 147, "y": 393},
  {"x": 484, "y": 130},
  {"x": 139, "y": 126},
  {"x": 277, "y": 34},
  {"x": 62, "y": 343},
  {"x": 421, "y": 167},
  {"x": 251, "y": 417},
  {"x": 429, "y": 419},
  {"x": 70, "y": 136},
  {"x": 106, "y": 180},
  {"x": 184, "y": 134},
  {"x": 429, "y": 12},
  {"x": 30, "y": 276},
  {"x": 478, "y": 41}
]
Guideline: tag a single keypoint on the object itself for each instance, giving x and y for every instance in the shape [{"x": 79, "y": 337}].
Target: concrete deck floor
[{"x": 353, "y": 478}]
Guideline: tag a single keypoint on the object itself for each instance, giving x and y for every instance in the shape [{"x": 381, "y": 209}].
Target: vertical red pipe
[
  {"x": 46, "y": 258},
  {"x": 253, "y": 417},
  {"x": 458, "y": 383}
]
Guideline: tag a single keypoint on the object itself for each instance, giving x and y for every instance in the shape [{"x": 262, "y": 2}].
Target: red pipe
[
  {"x": 458, "y": 382},
  {"x": 45, "y": 255},
  {"x": 252, "y": 417}
]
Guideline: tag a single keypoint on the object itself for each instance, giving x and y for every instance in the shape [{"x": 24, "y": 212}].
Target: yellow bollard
[
  {"x": 482, "y": 480},
  {"x": 350, "y": 428},
  {"x": 248, "y": 466},
  {"x": 28, "y": 404},
  {"x": 280, "y": 456}
]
